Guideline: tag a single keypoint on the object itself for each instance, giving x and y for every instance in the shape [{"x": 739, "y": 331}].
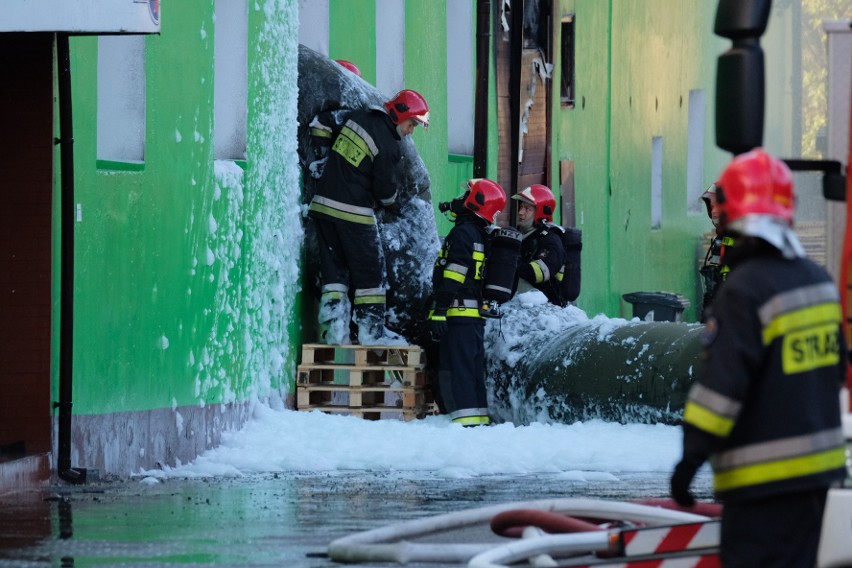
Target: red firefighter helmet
[
  {"x": 541, "y": 198},
  {"x": 755, "y": 183},
  {"x": 486, "y": 199},
  {"x": 408, "y": 104},
  {"x": 349, "y": 65}
]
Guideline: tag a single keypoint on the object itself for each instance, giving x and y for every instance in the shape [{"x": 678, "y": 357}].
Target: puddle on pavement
[{"x": 265, "y": 520}]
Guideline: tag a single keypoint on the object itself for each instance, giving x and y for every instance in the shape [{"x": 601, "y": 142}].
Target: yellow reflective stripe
[
  {"x": 369, "y": 300},
  {"x": 463, "y": 312},
  {"x": 779, "y": 470},
  {"x": 779, "y": 449},
  {"x": 320, "y": 133},
  {"x": 801, "y": 319},
  {"x": 472, "y": 420},
  {"x": 456, "y": 267},
  {"x": 342, "y": 215},
  {"x": 537, "y": 272},
  {"x": 704, "y": 419},
  {"x": 433, "y": 317},
  {"x": 714, "y": 401},
  {"x": 478, "y": 255},
  {"x": 452, "y": 275}
]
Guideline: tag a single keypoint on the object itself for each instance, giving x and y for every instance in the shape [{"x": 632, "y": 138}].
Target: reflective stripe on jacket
[
  {"x": 457, "y": 276},
  {"x": 767, "y": 403},
  {"x": 361, "y": 168},
  {"x": 543, "y": 262}
]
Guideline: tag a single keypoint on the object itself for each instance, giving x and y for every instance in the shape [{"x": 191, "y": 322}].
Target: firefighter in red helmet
[
  {"x": 713, "y": 272},
  {"x": 765, "y": 410},
  {"x": 455, "y": 321},
  {"x": 358, "y": 179},
  {"x": 349, "y": 66},
  {"x": 542, "y": 252}
]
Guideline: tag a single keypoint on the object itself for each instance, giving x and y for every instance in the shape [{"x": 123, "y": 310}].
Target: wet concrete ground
[{"x": 270, "y": 520}]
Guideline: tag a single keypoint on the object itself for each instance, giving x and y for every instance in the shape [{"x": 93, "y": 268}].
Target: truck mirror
[
  {"x": 740, "y": 97},
  {"x": 740, "y": 19}
]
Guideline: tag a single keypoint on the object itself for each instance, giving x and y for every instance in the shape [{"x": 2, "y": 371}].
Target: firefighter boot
[
  {"x": 334, "y": 316},
  {"x": 371, "y": 327}
]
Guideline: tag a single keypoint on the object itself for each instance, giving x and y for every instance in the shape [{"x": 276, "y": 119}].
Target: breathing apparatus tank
[{"x": 500, "y": 279}]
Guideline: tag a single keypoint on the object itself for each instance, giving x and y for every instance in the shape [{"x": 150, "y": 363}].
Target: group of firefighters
[
  {"x": 354, "y": 167},
  {"x": 764, "y": 410}
]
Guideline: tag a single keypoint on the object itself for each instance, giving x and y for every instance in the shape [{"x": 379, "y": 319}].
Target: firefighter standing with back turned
[
  {"x": 766, "y": 409},
  {"x": 358, "y": 178},
  {"x": 455, "y": 322}
]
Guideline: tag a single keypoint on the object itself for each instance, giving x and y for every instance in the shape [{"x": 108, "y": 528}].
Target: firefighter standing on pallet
[
  {"x": 766, "y": 409},
  {"x": 543, "y": 256},
  {"x": 455, "y": 321},
  {"x": 358, "y": 178}
]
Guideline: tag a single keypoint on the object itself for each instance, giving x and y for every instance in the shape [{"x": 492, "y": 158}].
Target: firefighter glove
[
  {"x": 393, "y": 210},
  {"x": 684, "y": 471},
  {"x": 438, "y": 325}
]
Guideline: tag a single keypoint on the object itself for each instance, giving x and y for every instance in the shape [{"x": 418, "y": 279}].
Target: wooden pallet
[
  {"x": 372, "y": 382},
  {"x": 377, "y": 413},
  {"x": 364, "y": 355},
  {"x": 311, "y": 375},
  {"x": 359, "y": 397}
]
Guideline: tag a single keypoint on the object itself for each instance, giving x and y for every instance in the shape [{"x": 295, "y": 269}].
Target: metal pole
[
  {"x": 66, "y": 327},
  {"x": 483, "y": 61}
]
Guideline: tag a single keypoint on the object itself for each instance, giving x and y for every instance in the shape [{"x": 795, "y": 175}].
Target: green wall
[
  {"x": 185, "y": 272},
  {"x": 636, "y": 63},
  {"x": 352, "y": 34},
  {"x": 184, "y": 267}
]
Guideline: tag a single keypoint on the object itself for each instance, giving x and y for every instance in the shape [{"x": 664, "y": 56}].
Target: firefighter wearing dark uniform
[
  {"x": 455, "y": 322},
  {"x": 766, "y": 411},
  {"x": 358, "y": 178},
  {"x": 713, "y": 272},
  {"x": 324, "y": 128},
  {"x": 543, "y": 255}
]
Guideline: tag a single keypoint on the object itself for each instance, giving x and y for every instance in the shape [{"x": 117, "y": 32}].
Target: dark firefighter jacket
[
  {"x": 457, "y": 277},
  {"x": 713, "y": 272},
  {"x": 766, "y": 409},
  {"x": 359, "y": 174},
  {"x": 543, "y": 261}
]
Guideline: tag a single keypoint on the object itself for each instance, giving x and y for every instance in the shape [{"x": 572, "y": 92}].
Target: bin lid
[{"x": 667, "y": 299}]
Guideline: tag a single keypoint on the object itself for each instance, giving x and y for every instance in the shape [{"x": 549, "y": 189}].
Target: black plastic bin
[{"x": 657, "y": 306}]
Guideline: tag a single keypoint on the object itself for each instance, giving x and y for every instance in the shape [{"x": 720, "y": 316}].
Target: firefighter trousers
[
  {"x": 780, "y": 530},
  {"x": 461, "y": 374}
]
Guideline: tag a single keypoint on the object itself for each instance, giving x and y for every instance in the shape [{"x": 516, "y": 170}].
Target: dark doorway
[{"x": 26, "y": 190}]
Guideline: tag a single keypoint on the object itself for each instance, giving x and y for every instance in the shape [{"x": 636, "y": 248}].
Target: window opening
[
  {"x": 567, "y": 83},
  {"x": 121, "y": 98}
]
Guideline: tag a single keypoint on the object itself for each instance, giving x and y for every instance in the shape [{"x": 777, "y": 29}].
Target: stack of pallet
[{"x": 371, "y": 382}]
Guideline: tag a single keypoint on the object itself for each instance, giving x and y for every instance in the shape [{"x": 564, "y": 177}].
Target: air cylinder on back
[{"x": 501, "y": 269}]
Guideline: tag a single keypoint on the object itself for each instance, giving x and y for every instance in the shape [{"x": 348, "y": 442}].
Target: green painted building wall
[
  {"x": 186, "y": 294},
  {"x": 637, "y": 63},
  {"x": 185, "y": 265}
]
